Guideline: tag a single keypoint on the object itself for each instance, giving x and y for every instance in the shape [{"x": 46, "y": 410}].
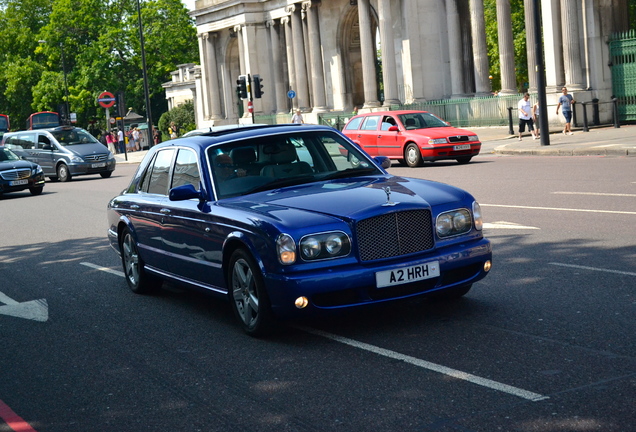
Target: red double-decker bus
[
  {"x": 4, "y": 123},
  {"x": 43, "y": 119}
]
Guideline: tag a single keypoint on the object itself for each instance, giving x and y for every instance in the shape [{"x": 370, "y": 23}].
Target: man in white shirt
[{"x": 525, "y": 116}]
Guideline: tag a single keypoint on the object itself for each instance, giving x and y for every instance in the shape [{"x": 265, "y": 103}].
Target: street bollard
[
  {"x": 595, "y": 116},
  {"x": 585, "y": 128},
  {"x": 616, "y": 124},
  {"x": 511, "y": 131}
]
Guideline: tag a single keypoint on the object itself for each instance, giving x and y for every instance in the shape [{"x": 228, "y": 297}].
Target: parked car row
[{"x": 60, "y": 154}]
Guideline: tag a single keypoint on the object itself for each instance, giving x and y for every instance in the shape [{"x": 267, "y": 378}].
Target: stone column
[
  {"x": 553, "y": 45},
  {"x": 278, "y": 84},
  {"x": 239, "y": 33},
  {"x": 368, "y": 56},
  {"x": 302, "y": 91},
  {"x": 285, "y": 22},
  {"x": 480, "y": 50},
  {"x": 203, "y": 40},
  {"x": 454, "y": 49},
  {"x": 571, "y": 49},
  {"x": 315, "y": 56},
  {"x": 387, "y": 44},
  {"x": 506, "y": 48},
  {"x": 530, "y": 45},
  {"x": 214, "y": 95}
]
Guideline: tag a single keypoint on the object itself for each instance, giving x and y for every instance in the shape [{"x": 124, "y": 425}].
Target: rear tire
[
  {"x": 413, "y": 155},
  {"x": 138, "y": 280}
]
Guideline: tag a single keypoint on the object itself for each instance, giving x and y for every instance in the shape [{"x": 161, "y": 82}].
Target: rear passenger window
[
  {"x": 159, "y": 179},
  {"x": 186, "y": 169},
  {"x": 371, "y": 123}
]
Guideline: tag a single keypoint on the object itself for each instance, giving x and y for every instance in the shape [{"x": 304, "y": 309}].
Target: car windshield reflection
[
  {"x": 285, "y": 160},
  {"x": 423, "y": 120}
]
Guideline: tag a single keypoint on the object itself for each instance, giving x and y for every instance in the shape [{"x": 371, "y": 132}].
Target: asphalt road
[{"x": 544, "y": 343}]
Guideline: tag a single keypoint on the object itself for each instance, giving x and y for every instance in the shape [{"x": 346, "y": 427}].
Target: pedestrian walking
[
  {"x": 110, "y": 142},
  {"x": 297, "y": 118},
  {"x": 535, "y": 118},
  {"x": 525, "y": 116},
  {"x": 566, "y": 101},
  {"x": 120, "y": 141}
]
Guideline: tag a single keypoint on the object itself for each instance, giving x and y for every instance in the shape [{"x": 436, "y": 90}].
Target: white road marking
[
  {"x": 104, "y": 269},
  {"x": 36, "y": 310},
  {"x": 507, "y": 225},
  {"x": 593, "y": 269},
  {"x": 558, "y": 209},
  {"x": 596, "y": 194},
  {"x": 484, "y": 382}
]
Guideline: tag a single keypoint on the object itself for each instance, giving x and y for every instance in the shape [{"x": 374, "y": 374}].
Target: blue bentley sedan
[{"x": 290, "y": 220}]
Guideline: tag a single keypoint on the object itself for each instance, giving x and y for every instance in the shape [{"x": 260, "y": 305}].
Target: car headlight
[
  {"x": 473, "y": 138},
  {"x": 76, "y": 159},
  {"x": 37, "y": 170},
  {"x": 453, "y": 223},
  {"x": 479, "y": 223},
  {"x": 438, "y": 141},
  {"x": 324, "y": 246},
  {"x": 286, "y": 249}
]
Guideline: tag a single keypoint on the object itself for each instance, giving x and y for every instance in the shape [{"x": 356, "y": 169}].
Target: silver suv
[{"x": 62, "y": 152}]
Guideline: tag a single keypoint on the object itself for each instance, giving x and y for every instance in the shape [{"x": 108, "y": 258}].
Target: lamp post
[
  {"x": 66, "y": 103},
  {"x": 145, "y": 74}
]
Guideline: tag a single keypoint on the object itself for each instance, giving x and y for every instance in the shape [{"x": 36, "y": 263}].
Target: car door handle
[
  {"x": 164, "y": 211},
  {"x": 134, "y": 207}
]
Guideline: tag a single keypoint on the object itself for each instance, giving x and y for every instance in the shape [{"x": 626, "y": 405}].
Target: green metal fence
[{"x": 622, "y": 48}]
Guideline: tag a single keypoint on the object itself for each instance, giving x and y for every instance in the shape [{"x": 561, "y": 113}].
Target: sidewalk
[{"x": 599, "y": 141}]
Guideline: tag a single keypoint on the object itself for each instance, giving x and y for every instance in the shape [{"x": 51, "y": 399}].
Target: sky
[{"x": 189, "y": 4}]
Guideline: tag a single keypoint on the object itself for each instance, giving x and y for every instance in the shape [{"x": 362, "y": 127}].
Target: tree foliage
[
  {"x": 519, "y": 42},
  {"x": 98, "y": 43}
]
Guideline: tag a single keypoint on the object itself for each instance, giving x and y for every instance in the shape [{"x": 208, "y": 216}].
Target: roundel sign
[{"x": 106, "y": 99}]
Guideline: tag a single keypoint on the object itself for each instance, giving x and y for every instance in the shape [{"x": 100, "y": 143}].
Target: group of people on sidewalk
[
  {"x": 529, "y": 114},
  {"x": 118, "y": 142}
]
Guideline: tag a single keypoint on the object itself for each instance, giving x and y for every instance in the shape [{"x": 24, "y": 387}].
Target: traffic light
[
  {"x": 258, "y": 87},
  {"x": 121, "y": 103},
  {"x": 241, "y": 86}
]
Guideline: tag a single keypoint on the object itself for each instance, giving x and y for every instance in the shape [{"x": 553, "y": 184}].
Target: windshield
[
  {"x": 421, "y": 120},
  {"x": 276, "y": 161},
  {"x": 73, "y": 136},
  {"x": 4, "y": 123},
  {"x": 7, "y": 155},
  {"x": 44, "y": 120}
]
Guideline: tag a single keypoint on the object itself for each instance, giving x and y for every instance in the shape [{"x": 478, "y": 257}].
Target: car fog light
[
  {"x": 301, "y": 302},
  {"x": 487, "y": 266}
]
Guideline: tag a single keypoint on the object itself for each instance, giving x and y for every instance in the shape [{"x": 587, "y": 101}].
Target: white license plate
[
  {"x": 98, "y": 165},
  {"x": 404, "y": 275},
  {"x": 18, "y": 182},
  {"x": 462, "y": 147}
]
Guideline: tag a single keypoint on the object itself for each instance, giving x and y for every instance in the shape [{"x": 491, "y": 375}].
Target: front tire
[
  {"x": 36, "y": 190},
  {"x": 413, "y": 155},
  {"x": 138, "y": 280},
  {"x": 63, "y": 173},
  {"x": 464, "y": 160},
  {"x": 247, "y": 294},
  {"x": 106, "y": 174}
]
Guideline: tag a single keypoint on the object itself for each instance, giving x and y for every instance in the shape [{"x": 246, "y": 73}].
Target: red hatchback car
[{"x": 411, "y": 137}]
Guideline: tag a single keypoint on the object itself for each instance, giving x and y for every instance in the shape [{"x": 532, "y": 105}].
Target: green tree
[
  {"x": 519, "y": 42},
  {"x": 102, "y": 51},
  {"x": 182, "y": 116}
]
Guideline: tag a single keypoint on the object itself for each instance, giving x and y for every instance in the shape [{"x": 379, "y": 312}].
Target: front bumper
[
  {"x": 82, "y": 168},
  {"x": 445, "y": 151},
  {"x": 355, "y": 286}
]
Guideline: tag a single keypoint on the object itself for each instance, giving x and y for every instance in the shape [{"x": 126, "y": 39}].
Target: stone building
[{"x": 326, "y": 51}]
